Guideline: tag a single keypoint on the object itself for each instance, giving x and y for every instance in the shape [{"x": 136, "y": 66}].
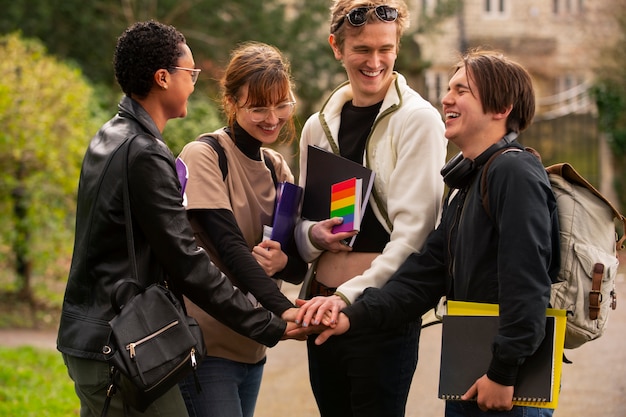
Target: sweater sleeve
[
  {"x": 412, "y": 195},
  {"x": 222, "y": 229},
  {"x": 412, "y": 290}
]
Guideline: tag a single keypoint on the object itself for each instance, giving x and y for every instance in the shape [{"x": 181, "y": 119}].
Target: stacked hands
[{"x": 321, "y": 315}]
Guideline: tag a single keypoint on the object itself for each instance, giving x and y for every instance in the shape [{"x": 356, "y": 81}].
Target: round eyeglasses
[
  {"x": 358, "y": 16},
  {"x": 282, "y": 111},
  {"x": 195, "y": 72}
]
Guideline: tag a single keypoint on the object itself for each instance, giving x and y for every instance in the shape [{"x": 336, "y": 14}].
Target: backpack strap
[
  {"x": 483, "y": 176},
  {"x": 221, "y": 156},
  {"x": 595, "y": 295},
  {"x": 223, "y": 163},
  {"x": 270, "y": 165}
]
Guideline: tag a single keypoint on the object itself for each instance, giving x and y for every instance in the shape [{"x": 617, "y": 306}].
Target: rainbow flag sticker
[{"x": 345, "y": 201}]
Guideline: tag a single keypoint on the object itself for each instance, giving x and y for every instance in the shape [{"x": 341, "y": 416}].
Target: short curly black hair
[{"x": 143, "y": 49}]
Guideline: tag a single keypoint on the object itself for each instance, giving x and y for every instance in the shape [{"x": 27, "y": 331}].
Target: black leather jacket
[{"x": 164, "y": 244}]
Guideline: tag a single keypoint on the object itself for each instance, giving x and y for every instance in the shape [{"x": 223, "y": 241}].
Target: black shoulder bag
[{"x": 153, "y": 343}]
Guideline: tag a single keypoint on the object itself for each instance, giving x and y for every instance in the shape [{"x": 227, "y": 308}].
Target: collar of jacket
[
  {"x": 130, "y": 108},
  {"x": 331, "y": 109}
]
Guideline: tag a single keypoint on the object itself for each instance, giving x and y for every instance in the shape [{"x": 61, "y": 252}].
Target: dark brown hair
[{"x": 501, "y": 83}]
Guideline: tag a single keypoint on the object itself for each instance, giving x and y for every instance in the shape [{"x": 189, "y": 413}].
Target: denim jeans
[
  {"x": 365, "y": 372},
  {"x": 470, "y": 409},
  {"x": 229, "y": 388},
  {"x": 91, "y": 380}
]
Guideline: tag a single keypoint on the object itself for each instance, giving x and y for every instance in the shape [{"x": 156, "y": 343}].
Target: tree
[
  {"x": 86, "y": 33},
  {"x": 610, "y": 94},
  {"x": 45, "y": 123},
  {"x": 202, "y": 116}
]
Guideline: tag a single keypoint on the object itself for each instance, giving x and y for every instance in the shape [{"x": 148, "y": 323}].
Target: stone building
[
  {"x": 556, "y": 40},
  {"x": 560, "y": 42}
]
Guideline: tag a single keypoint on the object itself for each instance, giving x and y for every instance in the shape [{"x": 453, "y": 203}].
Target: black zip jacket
[
  {"x": 510, "y": 259},
  {"x": 164, "y": 244}
]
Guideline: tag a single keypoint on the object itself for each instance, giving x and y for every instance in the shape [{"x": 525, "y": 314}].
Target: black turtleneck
[
  {"x": 246, "y": 143},
  {"x": 356, "y": 126}
]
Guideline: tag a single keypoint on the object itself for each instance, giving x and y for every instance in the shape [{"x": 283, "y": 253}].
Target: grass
[{"x": 34, "y": 383}]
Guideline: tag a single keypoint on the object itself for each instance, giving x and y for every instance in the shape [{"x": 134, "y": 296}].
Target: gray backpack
[{"x": 585, "y": 285}]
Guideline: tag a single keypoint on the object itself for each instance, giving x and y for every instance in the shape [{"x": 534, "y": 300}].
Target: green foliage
[
  {"x": 443, "y": 9},
  {"x": 48, "y": 112},
  {"x": 609, "y": 92},
  {"x": 202, "y": 116},
  {"x": 611, "y": 101},
  {"x": 34, "y": 383},
  {"x": 86, "y": 33},
  {"x": 45, "y": 122},
  {"x": 71, "y": 29}
]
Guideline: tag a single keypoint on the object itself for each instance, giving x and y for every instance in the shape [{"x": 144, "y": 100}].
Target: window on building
[
  {"x": 495, "y": 7},
  {"x": 436, "y": 86},
  {"x": 568, "y": 7},
  {"x": 572, "y": 93}
]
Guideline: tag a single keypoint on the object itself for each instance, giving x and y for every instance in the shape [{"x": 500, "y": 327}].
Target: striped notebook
[{"x": 345, "y": 201}]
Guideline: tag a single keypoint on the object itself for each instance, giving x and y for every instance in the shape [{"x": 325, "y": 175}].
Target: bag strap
[
  {"x": 130, "y": 241},
  {"x": 111, "y": 391},
  {"x": 221, "y": 156},
  {"x": 223, "y": 163},
  {"x": 270, "y": 165},
  {"x": 483, "y": 176},
  {"x": 595, "y": 295},
  {"x": 112, "y": 386}
]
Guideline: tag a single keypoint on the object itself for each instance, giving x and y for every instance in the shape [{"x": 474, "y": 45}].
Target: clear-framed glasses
[
  {"x": 358, "y": 16},
  {"x": 195, "y": 72},
  {"x": 282, "y": 111}
]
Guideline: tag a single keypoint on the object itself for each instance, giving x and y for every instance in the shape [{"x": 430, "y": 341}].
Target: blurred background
[{"x": 57, "y": 87}]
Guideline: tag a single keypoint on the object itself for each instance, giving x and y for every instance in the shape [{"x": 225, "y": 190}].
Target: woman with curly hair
[{"x": 156, "y": 70}]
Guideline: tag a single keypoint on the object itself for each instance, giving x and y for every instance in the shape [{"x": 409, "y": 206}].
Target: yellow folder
[{"x": 461, "y": 308}]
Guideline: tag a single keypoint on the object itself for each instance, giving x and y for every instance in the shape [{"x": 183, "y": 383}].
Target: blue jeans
[
  {"x": 229, "y": 388},
  {"x": 364, "y": 373},
  {"x": 470, "y": 409}
]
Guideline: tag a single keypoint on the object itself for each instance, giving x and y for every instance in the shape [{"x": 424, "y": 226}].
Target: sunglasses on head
[{"x": 358, "y": 16}]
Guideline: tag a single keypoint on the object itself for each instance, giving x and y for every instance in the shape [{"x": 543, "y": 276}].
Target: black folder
[
  {"x": 466, "y": 354},
  {"x": 324, "y": 169}
]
